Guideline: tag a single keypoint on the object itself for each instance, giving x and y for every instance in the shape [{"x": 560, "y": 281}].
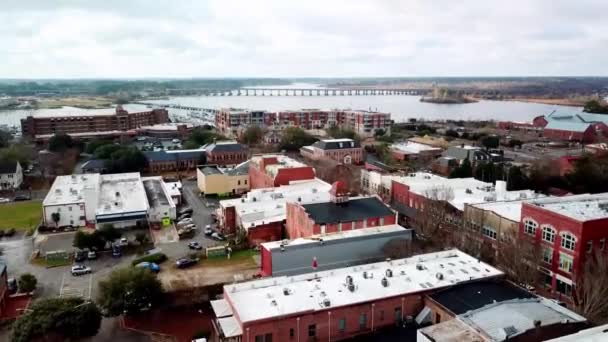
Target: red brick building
[
  {"x": 345, "y": 151},
  {"x": 270, "y": 170},
  {"x": 339, "y": 214},
  {"x": 40, "y": 127},
  {"x": 568, "y": 229},
  {"x": 338, "y": 304},
  {"x": 308, "y": 118},
  {"x": 226, "y": 153},
  {"x": 233, "y": 121},
  {"x": 411, "y": 151}
]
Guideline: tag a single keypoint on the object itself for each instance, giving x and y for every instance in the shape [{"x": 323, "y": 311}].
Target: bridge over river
[{"x": 304, "y": 91}]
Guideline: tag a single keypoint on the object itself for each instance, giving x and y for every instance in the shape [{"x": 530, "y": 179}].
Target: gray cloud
[{"x": 277, "y": 38}]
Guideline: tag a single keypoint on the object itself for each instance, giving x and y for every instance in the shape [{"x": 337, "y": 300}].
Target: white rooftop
[
  {"x": 283, "y": 163},
  {"x": 510, "y": 210},
  {"x": 410, "y": 147},
  {"x": 336, "y": 236},
  {"x": 170, "y": 126},
  {"x": 70, "y": 189},
  {"x": 579, "y": 207},
  {"x": 287, "y": 295},
  {"x": 121, "y": 193},
  {"x": 337, "y": 140},
  {"x": 174, "y": 189},
  {"x": 458, "y": 191},
  {"x": 266, "y": 205},
  {"x": 596, "y": 334},
  {"x": 507, "y": 319}
]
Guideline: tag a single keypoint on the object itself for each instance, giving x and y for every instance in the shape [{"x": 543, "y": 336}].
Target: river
[{"x": 401, "y": 107}]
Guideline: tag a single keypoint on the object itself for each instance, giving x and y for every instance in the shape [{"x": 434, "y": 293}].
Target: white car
[
  {"x": 186, "y": 221},
  {"x": 4, "y": 200},
  {"x": 80, "y": 270}
]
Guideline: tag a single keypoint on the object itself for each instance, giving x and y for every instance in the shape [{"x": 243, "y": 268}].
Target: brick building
[
  {"x": 308, "y": 118},
  {"x": 410, "y": 151},
  {"x": 341, "y": 303},
  {"x": 173, "y": 160},
  {"x": 226, "y": 153},
  {"x": 345, "y": 151},
  {"x": 262, "y": 212},
  {"x": 44, "y": 126},
  {"x": 494, "y": 311},
  {"x": 232, "y": 121},
  {"x": 339, "y": 214},
  {"x": 568, "y": 229},
  {"x": 270, "y": 170}
]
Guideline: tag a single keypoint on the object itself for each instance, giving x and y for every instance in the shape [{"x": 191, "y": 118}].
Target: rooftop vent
[
  {"x": 419, "y": 267},
  {"x": 364, "y": 274},
  {"x": 273, "y": 302},
  {"x": 349, "y": 279},
  {"x": 384, "y": 282},
  {"x": 351, "y": 287},
  {"x": 468, "y": 191},
  {"x": 326, "y": 302},
  {"x": 439, "y": 275},
  {"x": 389, "y": 273},
  {"x": 286, "y": 291}
]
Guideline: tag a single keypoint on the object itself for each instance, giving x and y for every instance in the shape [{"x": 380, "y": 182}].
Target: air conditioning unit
[{"x": 384, "y": 282}]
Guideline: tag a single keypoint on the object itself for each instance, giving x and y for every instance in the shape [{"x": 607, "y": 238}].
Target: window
[
  {"x": 259, "y": 338},
  {"x": 530, "y": 227},
  {"x": 238, "y": 182},
  {"x": 564, "y": 288},
  {"x": 312, "y": 330},
  {"x": 548, "y": 255},
  {"x": 268, "y": 338},
  {"x": 398, "y": 315},
  {"x": 565, "y": 263},
  {"x": 568, "y": 241},
  {"x": 69, "y": 208},
  {"x": 362, "y": 321},
  {"x": 548, "y": 234},
  {"x": 437, "y": 318},
  {"x": 602, "y": 244},
  {"x": 245, "y": 181},
  {"x": 589, "y": 246},
  {"x": 291, "y": 333},
  {"x": 342, "y": 325},
  {"x": 489, "y": 232}
]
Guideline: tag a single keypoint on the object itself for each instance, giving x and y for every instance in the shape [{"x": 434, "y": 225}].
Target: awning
[
  {"x": 230, "y": 327},
  {"x": 221, "y": 308}
]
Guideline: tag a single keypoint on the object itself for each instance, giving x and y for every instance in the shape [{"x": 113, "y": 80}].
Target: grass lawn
[
  {"x": 20, "y": 215},
  {"x": 236, "y": 257},
  {"x": 48, "y": 263}
]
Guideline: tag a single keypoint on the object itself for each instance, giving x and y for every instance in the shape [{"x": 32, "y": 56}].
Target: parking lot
[{"x": 75, "y": 286}]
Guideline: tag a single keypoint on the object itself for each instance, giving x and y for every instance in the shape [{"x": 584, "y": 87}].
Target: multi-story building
[
  {"x": 11, "y": 175},
  {"x": 270, "y": 170},
  {"x": 232, "y": 121},
  {"x": 366, "y": 123},
  {"x": 412, "y": 151},
  {"x": 42, "y": 127},
  {"x": 336, "y": 250},
  {"x": 340, "y": 213},
  {"x": 494, "y": 311},
  {"x": 261, "y": 214},
  {"x": 345, "y": 151},
  {"x": 568, "y": 229},
  {"x": 174, "y": 160},
  {"x": 307, "y": 118},
  {"x": 120, "y": 199},
  {"x": 341, "y": 303},
  {"x": 226, "y": 153},
  {"x": 214, "y": 180}
]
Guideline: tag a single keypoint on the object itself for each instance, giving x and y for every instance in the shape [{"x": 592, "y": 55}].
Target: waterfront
[{"x": 401, "y": 107}]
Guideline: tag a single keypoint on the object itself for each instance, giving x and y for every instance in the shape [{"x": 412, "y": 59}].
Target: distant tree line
[{"x": 596, "y": 106}]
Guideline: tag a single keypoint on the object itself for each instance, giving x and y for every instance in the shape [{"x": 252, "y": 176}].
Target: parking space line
[
  {"x": 62, "y": 282},
  {"x": 90, "y": 284}
]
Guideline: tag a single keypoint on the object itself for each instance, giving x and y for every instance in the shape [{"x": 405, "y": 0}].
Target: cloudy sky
[{"x": 311, "y": 38}]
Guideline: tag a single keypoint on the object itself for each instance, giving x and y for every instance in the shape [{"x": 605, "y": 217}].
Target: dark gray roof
[
  {"x": 8, "y": 167},
  {"x": 94, "y": 164},
  {"x": 215, "y": 147},
  {"x": 335, "y": 145},
  {"x": 471, "y": 296},
  {"x": 210, "y": 170},
  {"x": 156, "y": 156},
  {"x": 353, "y": 210},
  {"x": 241, "y": 169}
]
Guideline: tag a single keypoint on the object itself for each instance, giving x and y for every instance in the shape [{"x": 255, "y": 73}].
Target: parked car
[
  {"x": 183, "y": 216},
  {"x": 80, "y": 255},
  {"x": 91, "y": 255},
  {"x": 22, "y": 198},
  {"x": 195, "y": 245},
  {"x": 186, "y": 220},
  {"x": 4, "y": 200},
  {"x": 149, "y": 265},
  {"x": 80, "y": 270},
  {"x": 116, "y": 252},
  {"x": 190, "y": 226},
  {"x": 218, "y": 236},
  {"x": 12, "y": 285},
  {"x": 185, "y": 262},
  {"x": 185, "y": 210},
  {"x": 123, "y": 242},
  {"x": 208, "y": 230}
]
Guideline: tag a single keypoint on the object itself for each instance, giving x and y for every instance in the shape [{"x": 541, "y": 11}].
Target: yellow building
[{"x": 213, "y": 180}]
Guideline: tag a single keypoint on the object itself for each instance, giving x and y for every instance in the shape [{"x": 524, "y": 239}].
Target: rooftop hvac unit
[
  {"x": 427, "y": 177},
  {"x": 384, "y": 282},
  {"x": 389, "y": 273},
  {"x": 351, "y": 287},
  {"x": 349, "y": 279},
  {"x": 439, "y": 275},
  {"x": 419, "y": 267},
  {"x": 364, "y": 274},
  {"x": 286, "y": 291},
  {"x": 326, "y": 302},
  {"x": 468, "y": 191},
  {"x": 117, "y": 194},
  {"x": 242, "y": 200},
  {"x": 254, "y": 199}
]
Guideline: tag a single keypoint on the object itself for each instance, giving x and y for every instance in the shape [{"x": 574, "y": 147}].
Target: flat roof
[
  {"x": 174, "y": 189},
  {"x": 453, "y": 330},
  {"x": 458, "y": 191},
  {"x": 355, "y": 209},
  {"x": 283, "y": 162},
  {"x": 156, "y": 192},
  {"x": 121, "y": 193},
  {"x": 170, "y": 126},
  {"x": 266, "y": 205},
  {"x": 410, "y": 147},
  {"x": 347, "y": 234},
  {"x": 289, "y": 295},
  {"x": 596, "y": 334},
  {"x": 510, "y": 210},
  {"x": 584, "y": 207},
  {"x": 70, "y": 189}
]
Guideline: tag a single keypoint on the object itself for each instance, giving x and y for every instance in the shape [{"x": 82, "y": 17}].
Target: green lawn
[
  {"x": 20, "y": 215},
  {"x": 238, "y": 256}
]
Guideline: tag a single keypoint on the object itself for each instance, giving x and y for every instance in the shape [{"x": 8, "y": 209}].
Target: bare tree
[
  {"x": 591, "y": 289},
  {"x": 519, "y": 259},
  {"x": 398, "y": 249},
  {"x": 434, "y": 217}
]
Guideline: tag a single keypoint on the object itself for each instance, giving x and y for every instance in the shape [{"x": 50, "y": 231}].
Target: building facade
[
  {"x": 213, "y": 180},
  {"x": 345, "y": 151},
  {"x": 270, "y": 170},
  {"x": 11, "y": 175},
  {"x": 226, "y": 153},
  {"x": 568, "y": 230},
  {"x": 232, "y": 121},
  {"x": 174, "y": 160},
  {"x": 41, "y": 127}
]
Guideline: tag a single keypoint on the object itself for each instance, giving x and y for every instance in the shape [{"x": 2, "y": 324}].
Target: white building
[
  {"x": 160, "y": 200},
  {"x": 93, "y": 200},
  {"x": 11, "y": 175}
]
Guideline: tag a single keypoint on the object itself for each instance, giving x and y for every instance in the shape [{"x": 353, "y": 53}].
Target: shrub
[
  {"x": 27, "y": 283},
  {"x": 1, "y": 232},
  {"x": 155, "y": 258},
  {"x": 10, "y": 232},
  {"x": 30, "y": 231}
]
